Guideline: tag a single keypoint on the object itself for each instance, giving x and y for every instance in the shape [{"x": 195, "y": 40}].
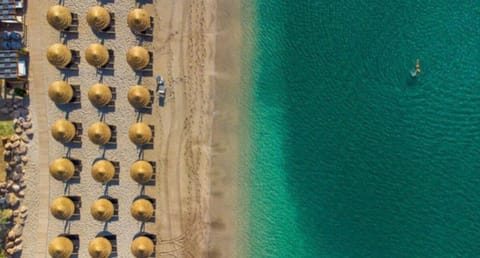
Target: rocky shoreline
[{"x": 12, "y": 191}]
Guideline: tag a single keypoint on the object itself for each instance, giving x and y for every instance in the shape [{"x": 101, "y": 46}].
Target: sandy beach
[{"x": 195, "y": 139}]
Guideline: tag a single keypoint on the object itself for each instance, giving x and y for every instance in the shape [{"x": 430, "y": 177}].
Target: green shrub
[{"x": 6, "y": 128}]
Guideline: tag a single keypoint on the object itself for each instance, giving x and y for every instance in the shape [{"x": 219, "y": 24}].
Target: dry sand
[{"x": 195, "y": 152}]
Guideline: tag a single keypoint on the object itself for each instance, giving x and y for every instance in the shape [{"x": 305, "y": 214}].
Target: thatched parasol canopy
[
  {"x": 102, "y": 209},
  {"x": 59, "y": 55},
  {"x": 98, "y": 18},
  {"x": 139, "y": 96},
  {"x": 100, "y": 247},
  {"x": 142, "y": 247},
  {"x": 140, "y": 133},
  {"x": 138, "y": 58},
  {"x": 142, "y": 210},
  {"x": 99, "y": 133},
  {"x": 61, "y": 169},
  {"x": 60, "y": 247},
  {"x": 62, "y": 208},
  {"x": 138, "y": 20},
  {"x": 97, "y": 55},
  {"x": 59, "y": 17},
  {"x": 141, "y": 171},
  {"x": 63, "y": 131},
  {"x": 99, "y": 94},
  {"x": 103, "y": 171},
  {"x": 60, "y": 92}
]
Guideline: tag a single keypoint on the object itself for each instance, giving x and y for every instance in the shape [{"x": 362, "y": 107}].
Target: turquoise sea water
[{"x": 348, "y": 155}]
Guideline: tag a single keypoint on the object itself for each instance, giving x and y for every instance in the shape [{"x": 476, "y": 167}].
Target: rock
[
  {"x": 24, "y": 138},
  {"x": 11, "y": 251},
  {"x": 28, "y": 118},
  {"x": 9, "y": 184},
  {"x": 18, "y": 130},
  {"x": 27, "y": 125},
  {"x": 24, "y": 159},
  {"x": 21, "y": 193},
  {"x": 23, "y": 209},
  {"x": 15, "y": 144},
  {"x": 8, "y": 145},
  {"x": 18, "y": 241},
  {"x": 15, "y": 188},
  {"x": 15, "y": 213},
  {"x": 19, "y": 247},
  {"x": 11, "y": 235},
  {"x": 10, "y": 244},
  {"x": 18, "y": 229},
  {"x": 29, "y": 132},
  {"x": 15, "y": 176}
]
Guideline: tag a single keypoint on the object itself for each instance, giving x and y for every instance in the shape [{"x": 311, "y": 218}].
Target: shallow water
[{"x": 350, "y": 156}]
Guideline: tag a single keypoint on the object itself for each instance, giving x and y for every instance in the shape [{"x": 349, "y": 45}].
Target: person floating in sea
[{"x": 417, "y": 69}]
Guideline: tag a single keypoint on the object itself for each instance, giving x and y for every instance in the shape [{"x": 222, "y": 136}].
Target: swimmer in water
[{"x": 417, "y": 69}]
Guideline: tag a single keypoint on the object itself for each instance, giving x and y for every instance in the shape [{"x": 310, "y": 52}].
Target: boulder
[
  {"x": 15, "y": 213},
  {"x": 24, "y": 159},
  {"x": 27, "y": 125},
  {"x": 18, "y": 229},
  {"x": 21, "y": 193},
  {"x": 25, "y": 138},
  {"x": 15, "y": 188},
  {"x": 11, "y": 235},
  {"x": 12, "y": 200},
  {"x": 10, "y": 244},
  {"x": 18, "y": 241},
  {"x": 10, "y": 251},
  {"x": 23, "y": 209},
  {"x": 29, "y": 132}
]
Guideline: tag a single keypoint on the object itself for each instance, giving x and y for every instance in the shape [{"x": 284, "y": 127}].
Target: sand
[{"x": 194, "y": 145}]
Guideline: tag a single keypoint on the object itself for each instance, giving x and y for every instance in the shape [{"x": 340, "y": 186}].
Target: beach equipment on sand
[
  {"x": 59, "y": 17},
  {"x": 142, "y": 210},
  {"x": 141, "y": 171},
  {"x": 60, "y": 92},
  {"x": 5, "y": 35},
  {"x": 142, "y": 247},
  {"x": 60, "y": 247},
  {"x": 100, "y": 247},
  {"x": 62, "y": 208},
  {"x": 103, "y": 171},
  {"x": 99, "y": 133},
  {"x": 138, "y": 58},
  {"x": 97, "y": 55},
  {"x": 61, "y": 169},
  {"x": 139, "y": 96},
  {"x": 138, "y": 20},
  {"x": 140, "y": 133},
  {"x": 15, "y": 45},
  {"x": 59, "y": 55},
  {"x": 15, "y": 35},
  {"x": 102, "y": 209},
  {"x": 63, "y": 131},
  {"x": 6, "y": 45},
  {"x": 98, "y": 18},
  {"x": 99, "y": 94}
]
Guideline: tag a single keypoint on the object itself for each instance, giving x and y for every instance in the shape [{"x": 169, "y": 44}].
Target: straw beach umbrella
[
  {"x": 97, "y": 55},
  {"x": 141, "y": 171},
  {"x": 99, "y": 94},
  {"x": 61, "y": 169},
  {"x": 62, "y": 208},
  {"x": 60, "y": 247},
  {"x": 59, "y": 55},
  {"x": 59, "y": 17},
  {"x": 138, "y": 58},
  {"x": 142, "y": 210},
  {"x": 99, "y": 133},
  {"x": 139, "y": 96},
  {"x": 142, "y": 247},
  {"x": 138, "y": 20},
  {"x": 100, "y": 247},
  {"x": 63, "y": 131},
  {"x": 102, "y": 209},
  {"x": 140, "y": 133},
  {"x": 98, "y": 18},
  {"x": 60, "y": 92},
  {"x": 103, "y": 171}
]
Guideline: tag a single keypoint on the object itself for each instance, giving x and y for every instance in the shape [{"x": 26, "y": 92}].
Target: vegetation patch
[{"x": 6, "y": 128}]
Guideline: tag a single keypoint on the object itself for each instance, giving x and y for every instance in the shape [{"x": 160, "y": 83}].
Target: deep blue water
[{"x": 350, "y": 156}]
